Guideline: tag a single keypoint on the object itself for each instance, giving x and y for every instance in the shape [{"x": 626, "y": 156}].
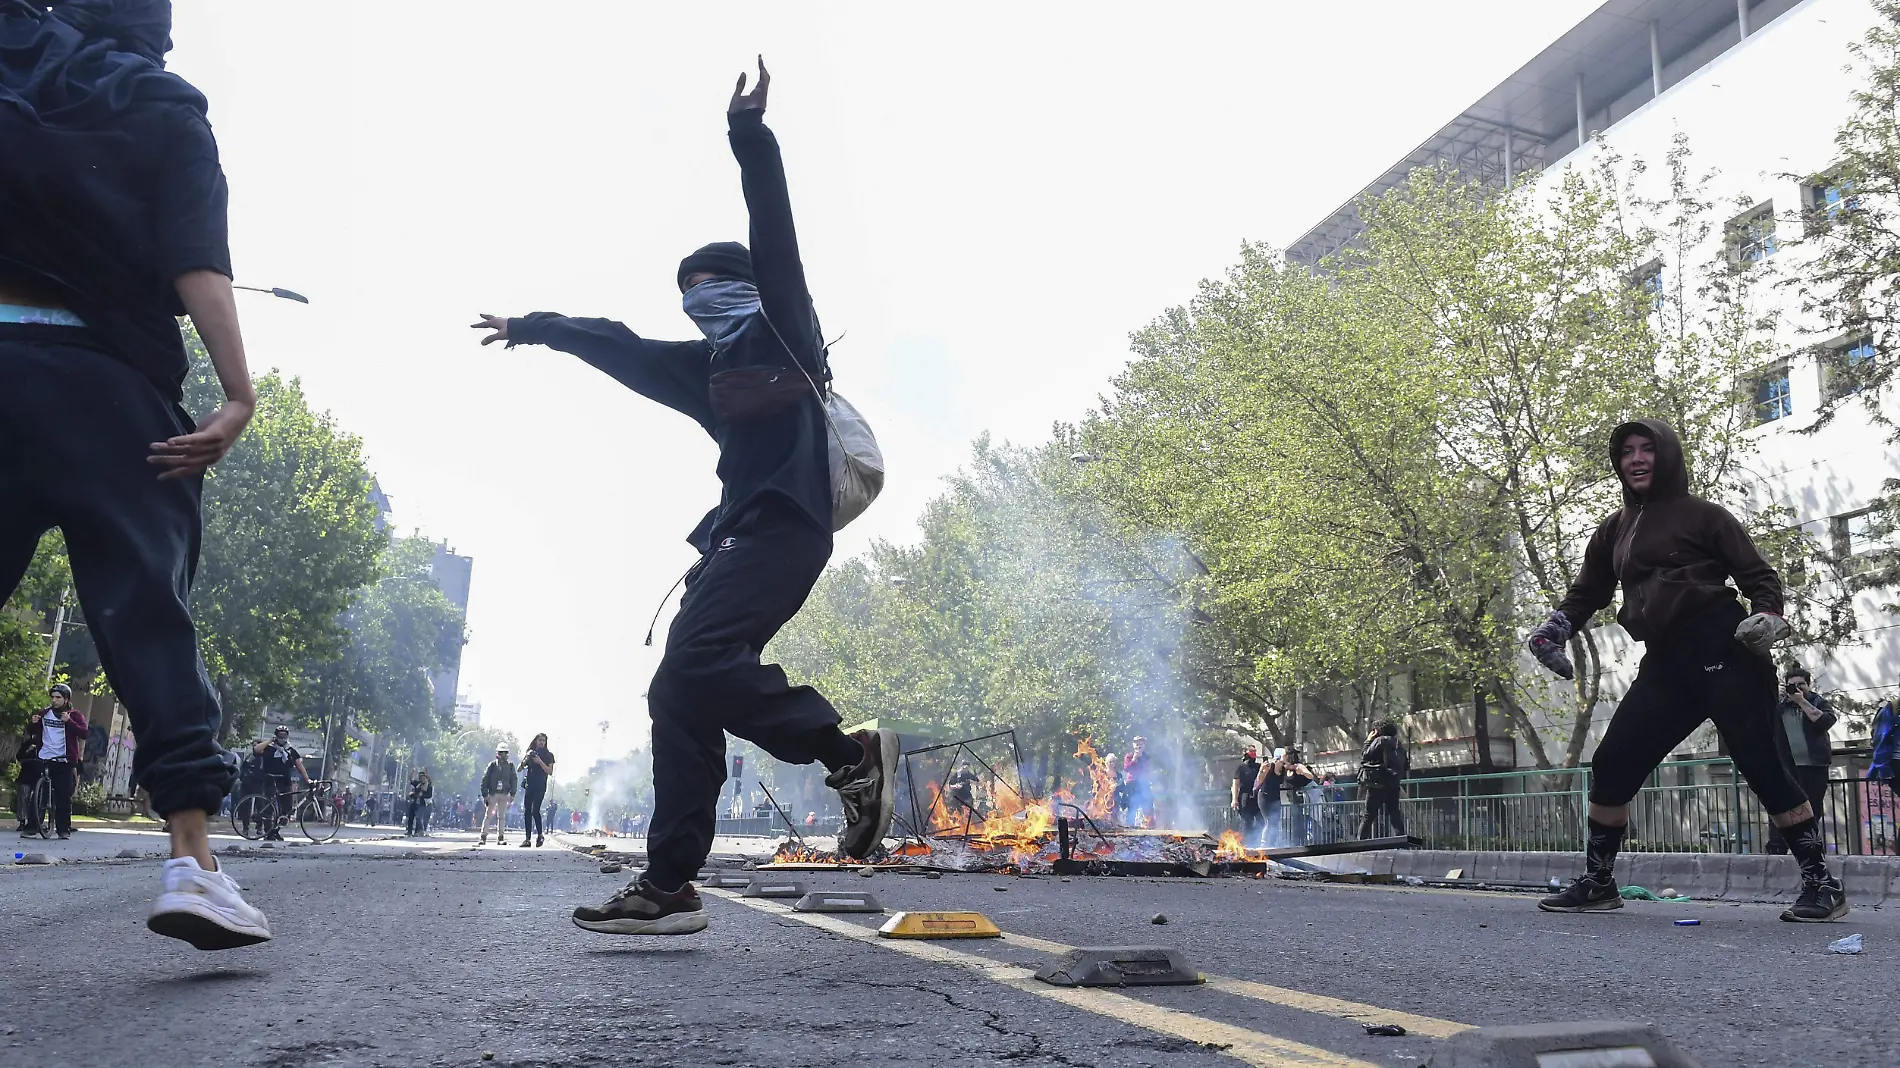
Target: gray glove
[
  {"x": 1759, "y": 632},
  {"x": 1547, "y": 645}
]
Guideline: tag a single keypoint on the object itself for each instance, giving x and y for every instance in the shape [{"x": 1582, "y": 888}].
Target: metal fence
[{"x": 1696, "y": 806}]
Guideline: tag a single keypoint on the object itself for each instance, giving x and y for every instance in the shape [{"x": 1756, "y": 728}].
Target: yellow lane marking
[
  {"x": 1252, "y": 1047},
  {"x": 1325, "y": 1006},
  {"x": 1292, "y": 999}
]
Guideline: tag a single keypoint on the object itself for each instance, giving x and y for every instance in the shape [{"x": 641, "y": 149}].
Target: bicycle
[
  {"x": 36, "y": 804},
  {"x": 256, "y": 814}
]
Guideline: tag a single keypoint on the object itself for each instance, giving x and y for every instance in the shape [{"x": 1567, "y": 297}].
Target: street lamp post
[
  {"x": 59, "y": 628},
  {"x": 275, "y": 292}
]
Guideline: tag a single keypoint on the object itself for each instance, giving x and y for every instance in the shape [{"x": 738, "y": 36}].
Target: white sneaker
[{"x": 205, "y": 908}]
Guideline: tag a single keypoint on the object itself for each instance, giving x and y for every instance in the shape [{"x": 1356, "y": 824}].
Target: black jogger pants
[
  {"x": 531, "y": 795},
  {"x": 710, "y": 681},
  {"x": 76, "y": 427},
  {"x": 1698, "y": 672}
]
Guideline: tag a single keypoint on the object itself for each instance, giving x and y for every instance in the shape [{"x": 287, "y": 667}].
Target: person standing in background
[
  {"x": 1266, "y": 788},
  {"x": 498, "y": 793},
  {"x": 535, "y": 769},
  {"x": 1244, "y": 802},
  {"x": 421, "y": 789},
  {"x": 1806, "y": 719},
  {"x": 1382, "y": 769},
  {"x": 57, "y": 738}
]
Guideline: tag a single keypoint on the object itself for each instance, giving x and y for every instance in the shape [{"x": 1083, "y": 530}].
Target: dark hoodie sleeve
[
  {"x": 1730, "y": 544},
  {"x": 776, "y": 267},
  {"x": 670, "y": 372},
  {"x": 1596, "y": 583}
]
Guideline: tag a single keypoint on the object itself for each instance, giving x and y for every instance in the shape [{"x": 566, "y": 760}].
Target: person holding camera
[
  {"x": 1806, "y": 718},
  {"x": 421, "y": 790},
  {"x": 56, "y": 738}
]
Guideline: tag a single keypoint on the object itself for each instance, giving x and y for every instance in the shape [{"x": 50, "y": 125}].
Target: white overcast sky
[{"x": 990, "y": 197}]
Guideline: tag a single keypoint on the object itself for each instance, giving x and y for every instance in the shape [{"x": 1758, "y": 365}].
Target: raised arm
[
  {"x": 670, "y": 372},
  {"x": 776, "y": 267}
]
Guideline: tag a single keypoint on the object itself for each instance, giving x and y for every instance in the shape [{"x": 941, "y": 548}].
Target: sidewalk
[{"x": 1703, "y": 876}]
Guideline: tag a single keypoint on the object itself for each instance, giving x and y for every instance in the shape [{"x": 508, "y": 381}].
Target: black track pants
[
  {"x": 531, "y": 796},
  {"x": 1699, "y": 672},
  {"x": 76, "y": 427},
  {"x": 711, "y": 681}
]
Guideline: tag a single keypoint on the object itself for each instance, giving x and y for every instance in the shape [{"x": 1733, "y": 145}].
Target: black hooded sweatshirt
[
  {"x": 1673, "y": 552},
  {"x": 110, "y": 186},
  {"x": 783, "y": 453}
]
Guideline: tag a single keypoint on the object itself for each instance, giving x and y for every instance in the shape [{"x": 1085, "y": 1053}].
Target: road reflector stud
[
  {"x": 1121, "y": 966},
  {"x": 939, "y": 925},
  {"x": 1595, "y": 1044},
  {"x": 766, "y": 886},
  {"x": 838, "y": 901},
  {"x": 727, "y": 879}
]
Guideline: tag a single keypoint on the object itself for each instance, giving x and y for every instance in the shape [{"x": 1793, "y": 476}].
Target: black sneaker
[
  {"x": 1820, "y": 902},
  {"x": 1584, "y": 895},
  {"x": 525, "y": 843},
  {"x": 640, "y": 908},
  {"x": 868, "y": 793}
]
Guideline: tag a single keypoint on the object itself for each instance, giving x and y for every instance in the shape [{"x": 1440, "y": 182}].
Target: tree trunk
[
  {"x": 1481, "y": 729},
  {"x": 1522, "y": 722}
]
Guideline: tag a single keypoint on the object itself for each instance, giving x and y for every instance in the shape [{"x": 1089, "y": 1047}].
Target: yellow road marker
[
  {"x": 939, "y": 925},
  {"x": 1250, "y": 1047}
]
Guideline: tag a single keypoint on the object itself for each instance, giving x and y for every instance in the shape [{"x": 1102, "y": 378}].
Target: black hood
[
  {"x": 1671, "y": 477},
  {"x": 87, "y": 60}
]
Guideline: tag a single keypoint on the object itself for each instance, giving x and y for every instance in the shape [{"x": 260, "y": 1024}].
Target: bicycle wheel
[
  {"x": 318, "y": 821},
  {"x": 43, "y": 803},
  {"x": 252, "y": 816}
]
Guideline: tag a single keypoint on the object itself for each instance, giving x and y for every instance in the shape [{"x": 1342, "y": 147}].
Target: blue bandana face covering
[{"x": 721, "y": 308}]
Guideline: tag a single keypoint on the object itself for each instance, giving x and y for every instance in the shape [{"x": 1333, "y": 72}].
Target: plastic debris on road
[
  {"x": 1688, "y": 923},
  {"x": 1385, "y": 1030},
  {"x": 1637, "y": 893},
  {"x": 1850, "y": 944}
]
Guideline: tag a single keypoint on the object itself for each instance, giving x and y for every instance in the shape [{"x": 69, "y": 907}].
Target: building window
[
  {"x": 1751, "y": 236},
  {"x": 1858, "y": 535},
  {"x": 1772, "y": 398},
  {"x": 1827, "y": 198},
  {"x": 1851, "y": 364},
  {"x": 1648, "y": 280}
]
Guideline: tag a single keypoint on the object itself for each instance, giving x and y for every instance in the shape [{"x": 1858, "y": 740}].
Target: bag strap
[{"x": 823, "y": 401}]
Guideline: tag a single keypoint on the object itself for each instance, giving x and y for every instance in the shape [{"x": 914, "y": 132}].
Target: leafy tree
[
  {"x": 25, "y": 620},
  {"x": 401, "y": 630},
  {"x": 290, "y": 537}
]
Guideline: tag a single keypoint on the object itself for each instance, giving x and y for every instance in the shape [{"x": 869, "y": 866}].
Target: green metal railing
[{"x": 1699, "y": 806}]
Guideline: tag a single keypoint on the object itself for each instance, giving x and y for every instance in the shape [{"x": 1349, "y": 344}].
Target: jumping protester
[
  {"x": 1706, "y": 658},
  {"x": 753, "y": 385},
  {"x": 115, "y": 225}
]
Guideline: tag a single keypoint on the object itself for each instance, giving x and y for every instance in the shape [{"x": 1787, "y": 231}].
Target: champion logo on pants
[
  {"x": 1713, "y": 667},
  {"x": 726, "y": 544}
]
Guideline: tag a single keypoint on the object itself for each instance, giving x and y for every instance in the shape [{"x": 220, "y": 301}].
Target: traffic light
[{"x": 738, "y": 767}]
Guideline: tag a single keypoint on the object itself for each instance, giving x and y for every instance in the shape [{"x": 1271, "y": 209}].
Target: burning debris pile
[{"x": 979, "y": 819}]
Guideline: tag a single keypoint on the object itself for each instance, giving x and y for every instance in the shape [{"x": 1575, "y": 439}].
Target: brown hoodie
[{"x": 1674, "y": 553}]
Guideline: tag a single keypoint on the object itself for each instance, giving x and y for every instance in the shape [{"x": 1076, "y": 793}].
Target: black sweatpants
[
  {"x": 61, "y": 816},
  {"x": 1699, "y": 672},
  {"x": 76, "y": 427},
  {"x": 531, "y": 795},
  {"x": 1382, "y": 800},
  {"x": 710, "y": 681}
]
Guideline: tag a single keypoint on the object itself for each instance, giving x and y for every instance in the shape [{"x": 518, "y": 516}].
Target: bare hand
[
  {"x": 755, "y": 100},
  {"x": 194, "y": 453},
  {"x": 497, "y": 323}
]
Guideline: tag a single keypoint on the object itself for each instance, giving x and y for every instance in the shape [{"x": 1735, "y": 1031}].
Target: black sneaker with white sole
[
  {"x": 1820, "y": 902},
  {"x": 640, "y": 908},
  {"x": 868, "y": 794},
  {"x": 1584, "y": 895}
]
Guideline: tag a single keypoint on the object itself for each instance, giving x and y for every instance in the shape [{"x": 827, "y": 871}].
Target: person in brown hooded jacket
[{"x": 1706, "y": 659}]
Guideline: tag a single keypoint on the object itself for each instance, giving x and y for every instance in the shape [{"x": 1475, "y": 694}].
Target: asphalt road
[{"x": 434, "y": 953}]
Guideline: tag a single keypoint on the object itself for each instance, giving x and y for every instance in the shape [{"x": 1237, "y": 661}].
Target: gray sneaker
[{"x": 868, "y": 794}]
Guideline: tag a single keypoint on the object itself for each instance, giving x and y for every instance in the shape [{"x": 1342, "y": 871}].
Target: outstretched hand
[
  {"x": 497, "y": 323},
  {"x": 754, "y": 100}
]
